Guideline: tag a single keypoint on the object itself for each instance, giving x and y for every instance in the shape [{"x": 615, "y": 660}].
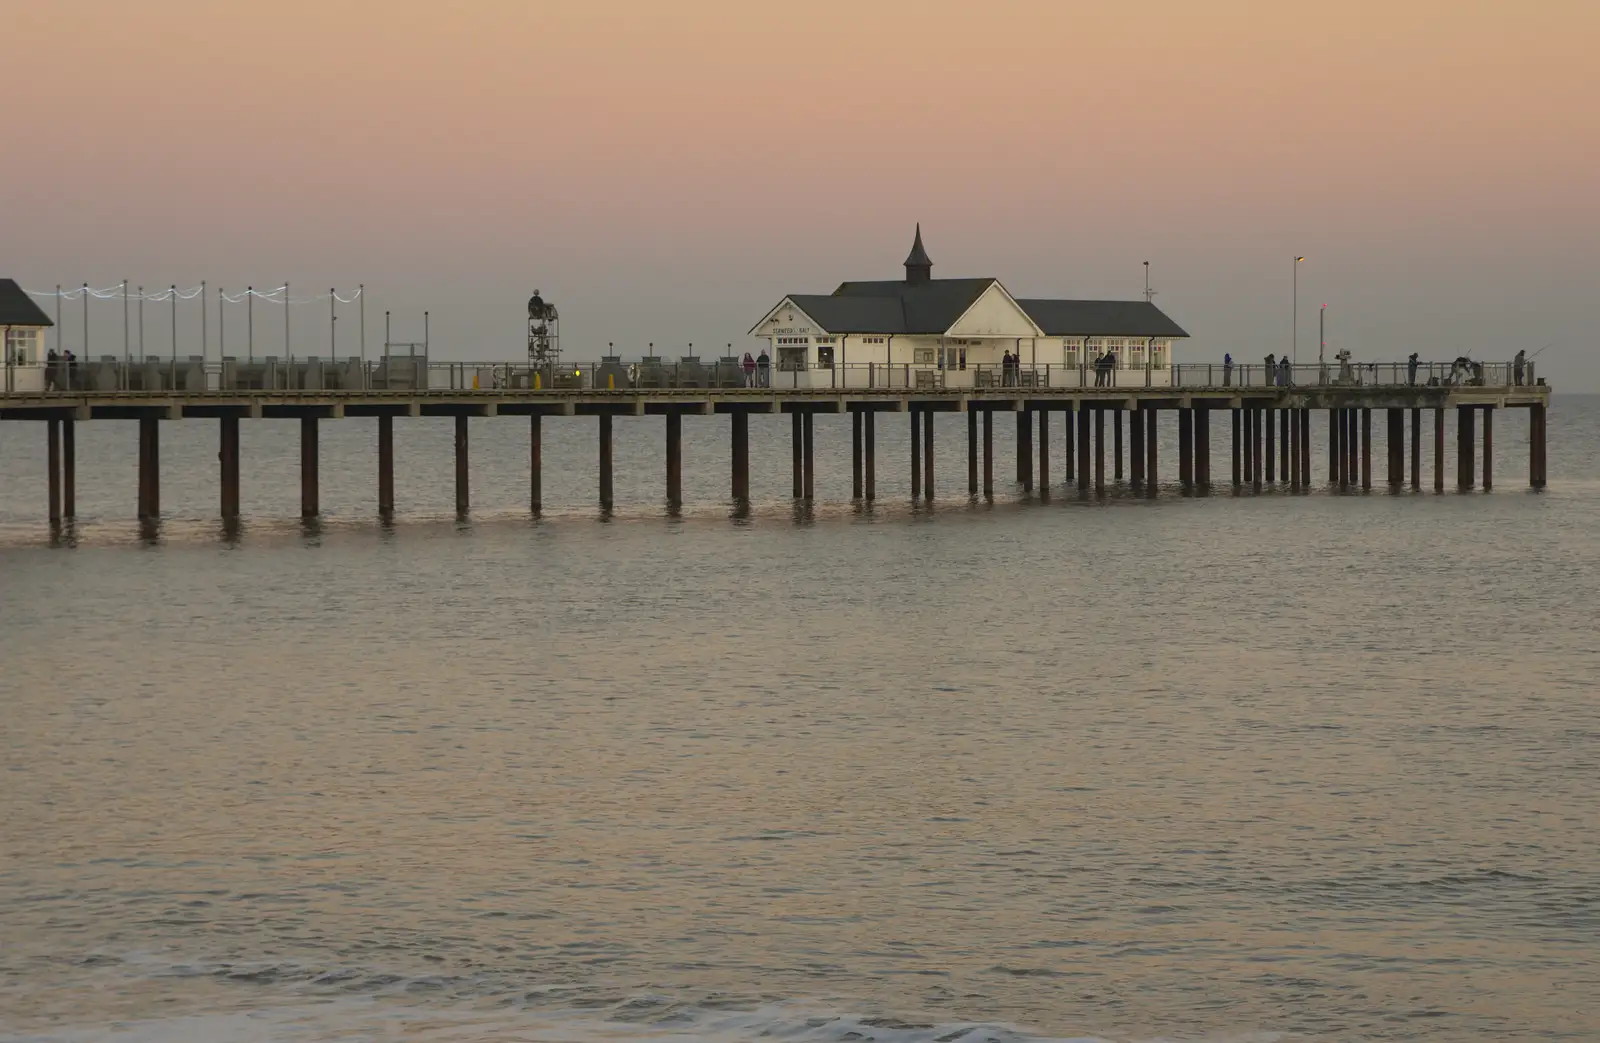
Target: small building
[
  {"x": 23, "y": 324},
  {"x": 927, "y": 332}
]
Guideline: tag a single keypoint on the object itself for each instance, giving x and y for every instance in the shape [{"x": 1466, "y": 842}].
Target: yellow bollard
[
  {"x": 611, "y": 382},
  {"x": 474, "y": 381},
  {"x": 538, "y": 380}
]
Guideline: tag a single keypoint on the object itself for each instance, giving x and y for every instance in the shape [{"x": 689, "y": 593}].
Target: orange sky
[{"x": 667, "y": 171}]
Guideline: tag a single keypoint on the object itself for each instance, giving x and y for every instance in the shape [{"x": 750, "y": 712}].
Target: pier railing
[{"x": 414, "y": 375}]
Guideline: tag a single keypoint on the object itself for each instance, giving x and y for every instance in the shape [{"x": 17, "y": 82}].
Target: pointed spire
[{"x": 919, "y": 269}]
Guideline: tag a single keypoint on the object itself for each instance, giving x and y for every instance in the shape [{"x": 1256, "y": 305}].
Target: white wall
[{"x": 994, "y": 314}]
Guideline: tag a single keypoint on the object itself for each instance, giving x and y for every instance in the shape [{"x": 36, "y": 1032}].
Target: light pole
[
  {"x": 1147, "y": 282},
  {"x": 1322, "y": 332},
  {"x": 1294, "y": 336}
]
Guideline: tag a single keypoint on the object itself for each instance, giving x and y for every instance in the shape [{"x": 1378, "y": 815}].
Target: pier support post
[
  {"x": 1069, "y": 420},
  {"x": 1271, "y": 459},
  {"x": 988, "y": 454},
  {"x": 1536, "y": 446},
  {"x": 463, "y": 484},
  {"x": 1366, "y": 450},
  {"x": 1466, "y": 447},
  {"x": 797, "y": 438},
  {"x": 916, "y": 452},
  {"x": 807, "y": 429},
  {"x": 1394, "y": 439},
  {"x": 1085, "y": 445},
  {"x": 606, "y": 502},
  {"x": 1099, "y": 451},
  {"x": 228, "y": 456},
  {"x": 856, "y": 485},
  {"x": 1488, "y": 448},
  {"x": 1151, "y": 473},
  {"x": 1438, "y": 449},
  {"x": 386, "y": 465},
  {"x": 740, "y": 457},
  {"x": 1353, "y": 443},
  {"x": 927, "y": 454},
  {"x": 1416, "y": 448},
  {"x": 1025, "y": 449},
  {"x": 149, "y": 468},
  {"x": 1202, "y": 448},
  {"x": 1116, "y": 444},
  {"x": 1255, "y": 448},
  {"x": 1284, "y": 451},
  {"x": 675, "y": 461},
  {"x": 1136, "y": 448},
  {"x": 1334, "y": 421},
  {"x": 869, "y": 447},
  {"x": 1186, "y": 448},
  {"x": 1044, "y": 452},
  {"x": 1248, "y": 419},
  {"x": 535, "y": 465},
  {"x": 309, "y": 502},
  {"x": 69, "y": 469},
  {"x": 972, "y": 451},
  {"x": 1238, "y": 445},
  {"x": 52, "y": 458}
]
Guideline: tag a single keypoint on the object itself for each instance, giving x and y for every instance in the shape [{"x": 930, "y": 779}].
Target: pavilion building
[{"x": 927, "y": 332}]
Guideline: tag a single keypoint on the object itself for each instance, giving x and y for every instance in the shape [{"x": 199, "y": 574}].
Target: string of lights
[{"x": 117, "y": 293}]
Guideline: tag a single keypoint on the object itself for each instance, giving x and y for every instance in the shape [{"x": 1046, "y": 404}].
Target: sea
[{"x": 1251, "y": 767}]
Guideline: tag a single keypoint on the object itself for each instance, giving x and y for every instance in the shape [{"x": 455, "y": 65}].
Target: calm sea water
[{"x": 1321, "y": 767}]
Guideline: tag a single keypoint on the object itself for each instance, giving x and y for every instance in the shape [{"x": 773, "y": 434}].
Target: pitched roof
[
  {"x": 1100, "y": 318},
  {"x": 927, "y": 308},
  {"x": 18, "y": 309},
  {"x": 852, "y": 314}
]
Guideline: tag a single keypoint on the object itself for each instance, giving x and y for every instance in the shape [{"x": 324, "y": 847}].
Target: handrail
[{"x": 416, "y": 374}]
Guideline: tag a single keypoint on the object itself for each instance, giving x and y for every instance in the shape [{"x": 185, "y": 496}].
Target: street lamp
[{"x": 1294, "y": 336}]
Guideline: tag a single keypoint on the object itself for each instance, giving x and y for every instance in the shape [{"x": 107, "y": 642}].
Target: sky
[{"x": 666, "y": 172}]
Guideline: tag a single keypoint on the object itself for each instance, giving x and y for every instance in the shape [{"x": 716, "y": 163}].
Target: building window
[
  {"x": 825, "y": 354},
  {"x": 791, "y": 359},
  {"x": 872, "y": 340},
  {"x": 22, "y": 347}
]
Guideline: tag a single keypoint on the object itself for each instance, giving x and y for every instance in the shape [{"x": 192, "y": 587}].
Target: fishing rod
[{"x": 1547, "y": 347}]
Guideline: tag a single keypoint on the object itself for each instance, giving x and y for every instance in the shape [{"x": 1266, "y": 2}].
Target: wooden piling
[
  {"x": 988, "y": 454},
  {"x": 535, "y": 466},
  {"x": 1366, "y": 450},
  {"x": 1116, "y": 444},
  {"x": 1335, "y": 454},
  {"x": 927, "y": 454},
  {"x": 69, "y": 468},
  {"x": 797, "y": 438},
  {"x": 1416, "y": 448},
  {"x": 228, "y": 457},
  {"x": 1186, "y": 449},
  {"x": 463, "y": 485},
  {"x": 675, "y": 461},
  {"x": 309, "y": 505},
  {"x": 972, "y": 452},
  {"x": 1536, "y": 446},
  {"x": 1438, "y": 450},
  {"x": 1069, "y": 421},
  {"x": 1085, "y": 446},
  {"x": 1099, "y": 451},
  {"x": 856, "y": 483},
  {"x": 52, "y": 459},
  {"x": 1044, "y": 452},
  {"x": 1025, "y": 449},
  {"x": 807, "y": 429},
  {"x": 1202, "y": 448},
  {"x": 149, "y": 468},
  {"x": 1256, "y": 447},
  {"x": 1238, "y": 468},
  {"x": 1488, "y": 448},
  {"x": 1136, "y": 448},
  {"x": 1271, "y": 459},
  {"x": 1151, "y": 473},
  {"x": 869, "y": 440},
  {"x": 740, "y": 457},
  {"x": 1305, "y": 450},
  {"x": 1466, "y": 448},
  {"x": 1284, "y": 449},
  {"x": 916, "y": 451}
]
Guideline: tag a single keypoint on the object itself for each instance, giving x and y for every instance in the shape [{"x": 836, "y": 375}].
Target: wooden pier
[{"x": 1271, "y": 443}]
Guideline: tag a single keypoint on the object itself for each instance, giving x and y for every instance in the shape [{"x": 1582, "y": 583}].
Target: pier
[{"x": 1268, "y": 425}]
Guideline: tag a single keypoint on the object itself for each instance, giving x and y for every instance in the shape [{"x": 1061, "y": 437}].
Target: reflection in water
[{"x": 1197, "y": 768}]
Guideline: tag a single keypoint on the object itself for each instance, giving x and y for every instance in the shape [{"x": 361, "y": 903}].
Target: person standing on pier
[
  {"x": 749, "y": 370},
  {"x": 1285, "y": 372},
  {"x": 1519, "y": 365},
  {"x": 1271, "y": 370},
  {"x": 52, "y": 363},
  {"x": 1227, "y": 369},
  {"x": 764, "y": 369},
  {"x": 1005, "y": 369},
  {"x": 1411, "y": 369}
]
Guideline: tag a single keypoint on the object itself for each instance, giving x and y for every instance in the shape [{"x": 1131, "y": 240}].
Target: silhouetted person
[
  {"x": 1411, "y": 369},
  {"x": 1519, "y": 366},
  {"x": 1227, "y": 369}
]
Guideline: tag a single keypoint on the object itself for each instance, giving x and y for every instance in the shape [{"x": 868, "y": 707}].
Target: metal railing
[{"x": 416, "y": 374}]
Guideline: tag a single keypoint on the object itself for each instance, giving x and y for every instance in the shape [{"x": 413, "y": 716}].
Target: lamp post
[
  {"x": 1322, "y": 332},
  {"x": 1294, "y": 336}
]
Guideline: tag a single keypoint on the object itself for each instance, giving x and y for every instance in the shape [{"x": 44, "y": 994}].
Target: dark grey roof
[
  {"x": 18, "y": 309},
  {"x": 852, "y": 314},
  {"x": 929, "y": 307},
  {"x": 1100, "y": 318}
]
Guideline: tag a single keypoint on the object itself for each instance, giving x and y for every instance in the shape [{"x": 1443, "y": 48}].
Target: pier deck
[{"x": 1270, "y": 427}]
